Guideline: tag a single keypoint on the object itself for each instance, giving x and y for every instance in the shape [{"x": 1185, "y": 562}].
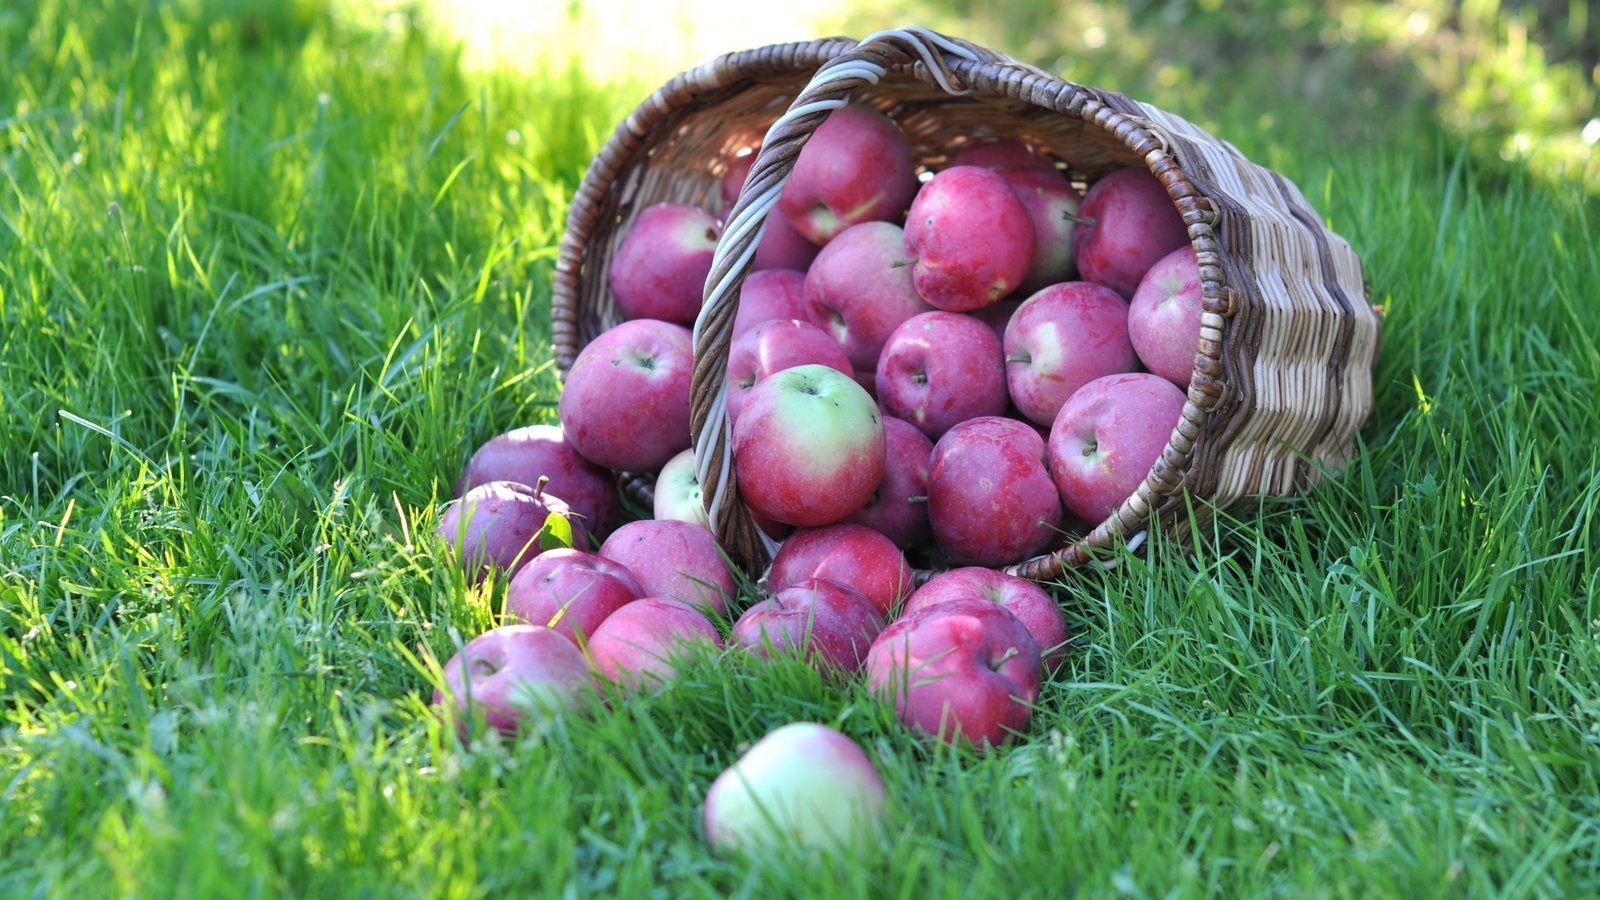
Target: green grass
[{"x": 267, "y": 275}]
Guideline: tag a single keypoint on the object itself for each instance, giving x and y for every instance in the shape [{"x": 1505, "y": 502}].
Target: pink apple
[
  {"x": 989, "y": 494},
  {"x": 803, "y": 785},
  {"x": 963, "y": 670},
  {"x": 677, "y": 493},
  {"x": 1062, "y": 338},
  {"x": 674, "y": 560},
  {"x": 1001, "y": 153},
  {"x": 855, "y": 167},
  {"x": 1052, "y": 204},
  {"x": 495, "y": 527},
  {"x": 860, "y": 290},
  {"x": 660, "y": 268},
  {"x": 941, "y": 368},
  {"x": 526, "y": 454},
  {"x": 1027, "y": 601},
  {"x": 1108, "y": 437},
  {"x": 830, "y": 623},
  {"x": 899, "y": 507},
  {"x": 1164, "y": 317},
  {"x": 625, "y": 405},
  {"x": 570, "y": 591},
  {"x": 775, "y": 345},
  {"x": 849, "y": 554},
  {"x": 782, "y": 247},
  {"x": 1129, "y": 222},
  {"x": 643, "y": 642},
  {"x": 971, "y": 238},
  {"x": 514, "y": 675},
  {"x": 771, "y": 294},
  {"x": 808, "y": 446}
]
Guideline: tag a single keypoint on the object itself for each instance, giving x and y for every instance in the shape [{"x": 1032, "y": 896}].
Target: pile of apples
[{"x": 956, "y": 368}]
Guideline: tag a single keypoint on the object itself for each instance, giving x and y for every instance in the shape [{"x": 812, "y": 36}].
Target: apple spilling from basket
[{"x": 955, "y": 369}]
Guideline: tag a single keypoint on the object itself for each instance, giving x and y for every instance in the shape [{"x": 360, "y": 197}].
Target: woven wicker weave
[{"x": 1283, "y": 369}]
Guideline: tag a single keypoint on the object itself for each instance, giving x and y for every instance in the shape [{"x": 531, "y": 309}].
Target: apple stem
[
  {"x": 538, "y": 488},
  {"x": 1022, "y": 358},
  {"x": 1079, "y": 220},
  {"x": 902, "y": 263},
  {"x": 1010, "y": 652},
  {"x": 917, "y": 498}
]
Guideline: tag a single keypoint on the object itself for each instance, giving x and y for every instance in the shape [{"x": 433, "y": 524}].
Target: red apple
[
  {"x": 899, "y": 507},
  {"x": 775, "y": 345},
  {"x": 533, "y": 451},
  {"x": 830, "y": 623},
  {"x": 625, "y": 405},
  {"x": 808, "y": 446},
  {"x": 850, "y": 554},
  {"x": 1128, "y": 222},
  {"x": 674, "y": 560},
  {"x": 855, "y": 167},
  {"x": 1164, "y": 317},
  {"x": 660, "y": 268},
  {"x": 771, "y": 294},
  {"x": 803, "y": 785},
  {"x": 1107, "y": 438},
  {"x": 962, "y": 670},
  {"x": 971, "y": 238},
  {"x": 1062, "y": 338},
  {"x": 495, "y": 526},
  {"x": 782, "y": 247},
  {"x": 860, "y": 290},
  {"x": 1052, "y": 204},
  {"x": 1000, "y": 154},
  {"x": 642, "y": 642},
  {"x": 989, "y": 494},
  {"x": 1027, "y": 601},
  {"x": 570, "y": 591},
  {"x": 941, "y": 368},
  {"x": 514, "y": 674}
]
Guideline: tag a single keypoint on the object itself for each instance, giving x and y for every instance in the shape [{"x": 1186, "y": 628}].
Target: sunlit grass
[{"x": 268, "y": 273}]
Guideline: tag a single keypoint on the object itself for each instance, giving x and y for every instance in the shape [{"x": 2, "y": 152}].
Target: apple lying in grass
[
  {"x": 625, "y": 405},
  {"x": 1108, "y": 436},
  {"x": 513, "y": 675},
  {"x": 829, "y": 623},
  {"x": 674, "y": 560},
  {"x": 570, "y": 591},
  {"x": 1164, "y": 317},
  {"x": 1027, "y": 601},
  {"x": 659, "y": 270},
  {"x": 495, "y": 526},
  {"x": 990, "y": 498},
  {"x": 1127, "y": 223},
  {"x": 526, "y": 454},
  {"x": 855, "y": 167},
  {"x": 898, "y": 509},
  {"x": 808, "y": 446},
  {"x": 642, "y": 642},
  {"x": 854, "y": 555},
  {"x": 964, "y": 670},
  {"x": 971, "y": 238},
  {"x": 803, "y": 785}
]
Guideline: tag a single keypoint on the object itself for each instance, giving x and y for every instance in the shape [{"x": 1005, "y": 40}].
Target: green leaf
[{"x": 556, "y": 533}]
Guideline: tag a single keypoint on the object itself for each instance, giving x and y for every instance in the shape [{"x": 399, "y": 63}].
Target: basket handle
[{"x": 931, "y": 54}]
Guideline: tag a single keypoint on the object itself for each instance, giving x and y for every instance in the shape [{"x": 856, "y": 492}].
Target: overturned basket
[{"x": 1283, "y": 369}]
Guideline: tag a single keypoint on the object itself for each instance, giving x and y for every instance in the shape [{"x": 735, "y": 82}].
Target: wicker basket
[{"x": 1283, "y": 368}]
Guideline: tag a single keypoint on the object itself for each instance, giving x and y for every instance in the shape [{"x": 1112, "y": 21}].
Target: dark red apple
[
  {"x": 660, "y": 268},
  {"x": 570, "y": 591},
  {"x": 899, "y": 507},
  {"x": 989, "y": 497},
  {"x": 625, "y": 405},
  {"x": 829, "y": 623},
  {"x": 1027, "y": 601},
  {"x": 1129, "y": 222},
  {"x": 526, "y": 454},
  {"x": 855, "y": 167},
  {"x": 854, "y": 555},
  {"x": 971, "y": 238},
  {"x": 1107, "y": 438},
  {"x": 941, "y": 368}
]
